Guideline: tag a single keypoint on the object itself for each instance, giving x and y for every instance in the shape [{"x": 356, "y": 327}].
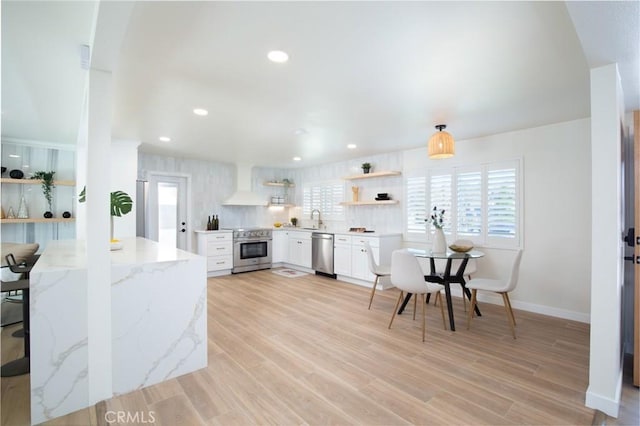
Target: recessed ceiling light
[
  {"x": 278, "y": 56},
  {"x": 200, "y": 111},
  {"x": 14, "y": 156},
  {"x": 297, "y": 158},
  {"x": 352, "y": 146},
  {"x": 164, "y": 139}
]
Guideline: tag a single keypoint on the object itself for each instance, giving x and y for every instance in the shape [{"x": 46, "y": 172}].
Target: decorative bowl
[
  {"x": 461, "y": 246},
  {"x": 277, "y": 224},
  {"x": 460, "y": 249}
]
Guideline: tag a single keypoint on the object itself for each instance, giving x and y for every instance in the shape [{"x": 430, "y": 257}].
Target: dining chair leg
[
  {"x": 509, "y": 317},
  {"x": 510, "y": 308},
  {"x": 415, "y": 305},
  {"x": 373, "y": 290},
  {"x": 396, "y": 309},
  {"x": 472, "y": 307},
  {"x": 444, "y": 321},
  {"x": 424, "y": 315}
]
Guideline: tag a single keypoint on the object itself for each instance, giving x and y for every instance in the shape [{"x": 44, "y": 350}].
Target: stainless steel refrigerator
[{"x": 142, "y": 208}]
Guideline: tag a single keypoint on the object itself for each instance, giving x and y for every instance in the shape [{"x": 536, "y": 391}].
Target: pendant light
[{"x": 441, "y": 144}]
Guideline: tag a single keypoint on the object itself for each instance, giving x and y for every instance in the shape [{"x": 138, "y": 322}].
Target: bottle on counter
[
  {"x": 216, "y": 223},
  {"x": 209, "y": 223}
]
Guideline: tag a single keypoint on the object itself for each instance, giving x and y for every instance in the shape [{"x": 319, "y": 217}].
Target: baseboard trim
[
  {"x": 610, "y": 407},
  {"x": 530, "y": 307}
]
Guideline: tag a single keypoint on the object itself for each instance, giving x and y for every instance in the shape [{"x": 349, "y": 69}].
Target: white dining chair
[
  {"x": 377, "y": 270},
  {"x": 407, "y": 276},
  {"x": 502, "y": 287}
]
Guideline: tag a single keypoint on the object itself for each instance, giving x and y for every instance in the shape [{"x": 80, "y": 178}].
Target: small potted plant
[
  {"x": 121, "y": 204},
  {"x": 294, "y": 221},
  {"x": 47, "y": 187},
  {"x": 366, "y": 167},
  {"x": 437, "y": 220}
]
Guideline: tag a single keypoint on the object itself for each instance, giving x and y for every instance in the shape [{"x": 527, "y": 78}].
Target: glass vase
[{"x": 23, "y": 211}]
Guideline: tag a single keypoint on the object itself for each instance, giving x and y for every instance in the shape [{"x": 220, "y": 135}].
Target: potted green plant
[
  {"x": 294, "y": 221},
  {"x": 121, "y": 204},
  {"x": 47, "y": 187},
  {"x": 366, "y": 167}
]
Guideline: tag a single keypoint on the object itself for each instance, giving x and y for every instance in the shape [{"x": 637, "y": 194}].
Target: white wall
[
  {"x": 605, "y": 366},
  {"x": 554, "y": 274}
]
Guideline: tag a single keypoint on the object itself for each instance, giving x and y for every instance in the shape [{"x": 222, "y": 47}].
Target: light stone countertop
[
  {"x": 72, "y": 254},
  {"x": 357, "y": 234}
]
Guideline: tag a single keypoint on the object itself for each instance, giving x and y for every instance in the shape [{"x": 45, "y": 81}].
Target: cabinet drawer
[
  {"x": 215, "y": 248},
  {"x": 218, "y": 263},
  {"x": 342, "y": 239},
  {"x": 218, "y": 238},
  {"x": 359, "y": 241},
  {"x": 300, "y": 235}
]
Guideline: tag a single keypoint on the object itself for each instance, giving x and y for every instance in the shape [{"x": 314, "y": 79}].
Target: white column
[
  {"x": 605, "y": 366},
  {"x": 98, "y": 235}
]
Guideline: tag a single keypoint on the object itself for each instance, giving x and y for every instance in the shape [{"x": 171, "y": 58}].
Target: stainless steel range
[{"x": 251, "y": 249}]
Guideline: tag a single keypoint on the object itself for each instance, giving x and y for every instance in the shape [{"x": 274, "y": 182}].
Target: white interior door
[{"x": 169, "y": 210}]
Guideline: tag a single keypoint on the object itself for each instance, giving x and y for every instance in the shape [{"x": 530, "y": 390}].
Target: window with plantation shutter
[
  {"x": 469, "y": 204},
  {"x": 501, "y": 203},
  {"x": 440, "y": 197},
  {"x": 324, "y": 196},
  {"x": 481, "y": 202},
  {"x": 416, "y": 199}
]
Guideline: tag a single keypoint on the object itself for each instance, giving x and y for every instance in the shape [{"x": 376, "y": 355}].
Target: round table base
[{"x": 15, "y": 368}]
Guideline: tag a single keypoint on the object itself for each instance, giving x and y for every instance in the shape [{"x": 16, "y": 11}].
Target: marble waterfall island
[{"x": 158, "y": 322}]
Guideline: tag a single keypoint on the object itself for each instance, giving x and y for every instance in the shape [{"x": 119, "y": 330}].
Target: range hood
[{"x": 244, "y": 196}]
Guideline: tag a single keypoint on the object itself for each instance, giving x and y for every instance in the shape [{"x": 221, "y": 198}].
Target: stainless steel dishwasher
[{"x": 322, "y": 253}]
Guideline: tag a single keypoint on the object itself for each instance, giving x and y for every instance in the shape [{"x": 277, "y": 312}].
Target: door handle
[
  {"x": 633, "y": 259},
  {"x": 630, "y": 237}
]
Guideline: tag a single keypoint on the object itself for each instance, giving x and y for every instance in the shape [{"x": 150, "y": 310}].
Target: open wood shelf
[
  {"x": 37, "y": 182},
  {"x": 38, "y": 220},
  {"x": 368, "y": 203},
  {"x": 374, "y": 175},
  {"x": 288, "y": 185}
]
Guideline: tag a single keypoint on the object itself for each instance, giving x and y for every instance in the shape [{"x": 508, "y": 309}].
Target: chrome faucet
[{"x": 319, "y": 219}]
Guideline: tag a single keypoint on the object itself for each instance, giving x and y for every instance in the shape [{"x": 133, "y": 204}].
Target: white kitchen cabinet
[
  {"x": 359, "y": 259},
  {"x": 217, "y": 247},
  {"x": 280, "y": 247},
  {"x": 342, "y": 255},
  {"x": 300, "y": 248},
  {"x": 350, "y": 257}
]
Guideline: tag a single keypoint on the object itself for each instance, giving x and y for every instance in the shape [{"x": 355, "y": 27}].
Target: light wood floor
[{"x": 307, "y": 351}]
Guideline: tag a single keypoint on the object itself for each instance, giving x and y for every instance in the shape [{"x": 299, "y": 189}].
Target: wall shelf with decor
[
  {"x": 282, "y": 184},
  {"x": 281, "y": 197},
  {"x": 374, "y": 175},
  {"x": 36, "y": 182},
  {"x": 369, "y": 203},
  {"x": 281, "y": 205},
  {"x": 39, "y": 220}
]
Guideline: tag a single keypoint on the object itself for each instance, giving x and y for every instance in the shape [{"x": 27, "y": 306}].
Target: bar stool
[
  {"x": 23, "y": 268},
  {"x": 20, "y": 365}
]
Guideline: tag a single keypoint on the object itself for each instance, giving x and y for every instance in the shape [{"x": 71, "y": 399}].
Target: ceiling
[{"x": 379, "y": 75}]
